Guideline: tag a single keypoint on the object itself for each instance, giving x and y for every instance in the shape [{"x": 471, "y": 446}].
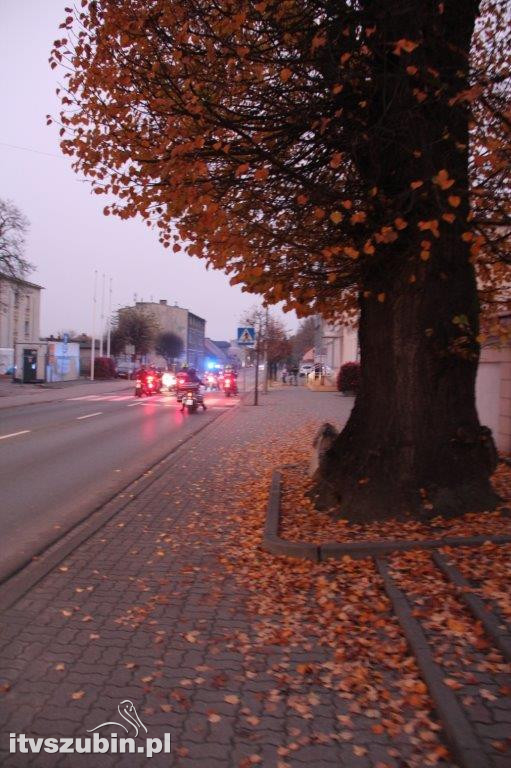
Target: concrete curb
[
  {"x": 476, "y": 605},
  {"x": 271, "y": 539},
  {"x": 51, "y": 554},
  {"x": 273, "y": 543},
  {"x": 463, "y": 742}
]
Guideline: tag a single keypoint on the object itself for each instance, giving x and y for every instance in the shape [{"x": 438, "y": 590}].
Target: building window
[{"x": 27, "y": 329}]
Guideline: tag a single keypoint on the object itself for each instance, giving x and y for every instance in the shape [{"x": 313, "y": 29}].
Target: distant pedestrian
[
  {"x": 294, "y": 375},
  {"x": 284, "y": 375}
]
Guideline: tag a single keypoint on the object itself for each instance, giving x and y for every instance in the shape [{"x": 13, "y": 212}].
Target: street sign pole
[
  {"x": 256, "y": 390},
  {"x": 266, "y": 367}
]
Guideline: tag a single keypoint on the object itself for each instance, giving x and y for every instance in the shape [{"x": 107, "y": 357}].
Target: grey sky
[{"x": 69, "y": 235}]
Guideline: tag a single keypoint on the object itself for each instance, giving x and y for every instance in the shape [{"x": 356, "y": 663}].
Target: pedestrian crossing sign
[{"x": 246, "y": 336}]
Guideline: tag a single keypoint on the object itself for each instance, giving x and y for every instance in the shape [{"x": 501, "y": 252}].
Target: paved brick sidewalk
[{"x": 147, "y": 610}]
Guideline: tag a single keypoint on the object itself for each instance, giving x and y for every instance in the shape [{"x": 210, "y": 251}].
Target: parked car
[
  {"x": 306, "y": 368},
  {"x": 125, "y": 370}
]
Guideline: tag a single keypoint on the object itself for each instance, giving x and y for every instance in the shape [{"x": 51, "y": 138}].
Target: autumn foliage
[
  {"x": 339, "y": 157},
  {"x": 274, "y": 178}
]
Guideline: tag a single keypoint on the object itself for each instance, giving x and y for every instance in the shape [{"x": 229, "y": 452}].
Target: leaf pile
[{"x": 300, "y": 521}]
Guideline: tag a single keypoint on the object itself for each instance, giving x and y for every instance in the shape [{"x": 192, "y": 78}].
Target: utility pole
[
  {"x": 93, "y": 341},
  {"x": 109, "y": 322}
]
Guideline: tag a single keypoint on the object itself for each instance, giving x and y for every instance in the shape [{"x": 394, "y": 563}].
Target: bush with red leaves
[
  {"x": 104, "y": 368},
  {"x": 348, "y": 378}
]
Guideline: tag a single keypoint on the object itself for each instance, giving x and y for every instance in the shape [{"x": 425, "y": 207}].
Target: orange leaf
[
  {"x": 285, "y": 74},
  {"x": 77, "y": 695},
  {"x": 454, "y": 200},
  {"x": 442, "y": 179},
  {"x": 336, "y": 217},
  {"x": 261, "y": 174},
  {"x": 416, "y": 184},
  {"x": 404, "y": 45}
]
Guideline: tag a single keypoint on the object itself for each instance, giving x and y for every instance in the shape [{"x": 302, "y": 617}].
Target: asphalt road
[{"x": 60, "y": 461}]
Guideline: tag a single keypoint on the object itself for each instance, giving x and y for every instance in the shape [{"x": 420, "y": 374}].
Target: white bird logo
[{"x": 128, "y": 712}]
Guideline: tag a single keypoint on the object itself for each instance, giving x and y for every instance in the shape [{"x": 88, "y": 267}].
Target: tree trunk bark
[{"x": 413, "y": 444}]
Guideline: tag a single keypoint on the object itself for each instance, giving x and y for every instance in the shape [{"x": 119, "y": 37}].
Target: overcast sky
[{"x": 69, "y": 235}]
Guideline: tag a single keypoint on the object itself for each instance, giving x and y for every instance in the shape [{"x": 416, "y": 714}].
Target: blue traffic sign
[{"x": 246, "y": 336}]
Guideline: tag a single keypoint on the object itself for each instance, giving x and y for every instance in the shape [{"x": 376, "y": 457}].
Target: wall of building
[
  {"x": 19, "y": 311},
  {"x": 335, "y": 344},
  {"x": 189, "y": 327},
  {"x": 493, "y": 392},
  {"x": 195, "y": 342}
]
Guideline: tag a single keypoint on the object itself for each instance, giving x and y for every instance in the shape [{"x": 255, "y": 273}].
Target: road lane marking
[
  {"x": 15, "y": 434},
  {"x": 89, "y": 415},
  {"x": 84, "y": 397}
]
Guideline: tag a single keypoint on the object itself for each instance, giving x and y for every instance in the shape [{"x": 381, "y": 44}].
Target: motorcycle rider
[
  {"x": 230, "y": 373},
  {"x": 191, "y": 382}
]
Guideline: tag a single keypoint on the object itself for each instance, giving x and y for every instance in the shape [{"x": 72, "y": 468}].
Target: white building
[
  {"x": 20, "y": 303},
  {"x": 335, "y": 344}
]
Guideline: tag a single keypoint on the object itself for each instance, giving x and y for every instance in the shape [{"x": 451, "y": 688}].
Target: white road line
[
  {"x": 132, "y": 405},
  {"x": 89, "y": 415},
  {"x": 14, "y": 434},
  {"x": 84, "y": 397}
]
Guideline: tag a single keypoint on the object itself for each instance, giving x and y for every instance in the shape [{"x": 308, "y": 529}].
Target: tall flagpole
[
  {"x": 93, "y": 340},
  {"x": 109, "y": 320},
  {"x": 102, "y": 317}
]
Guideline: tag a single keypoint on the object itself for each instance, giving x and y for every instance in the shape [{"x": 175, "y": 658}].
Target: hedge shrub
[
  {"x": 348, "y": 378},
  {"x": 104, "y": 368}
]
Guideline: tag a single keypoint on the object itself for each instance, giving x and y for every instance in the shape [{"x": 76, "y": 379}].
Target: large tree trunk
[{"x": 413, "y": 444}]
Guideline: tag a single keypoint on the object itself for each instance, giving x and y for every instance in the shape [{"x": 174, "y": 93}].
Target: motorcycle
[
  {"x": 230, "y": 386},
  {"x": 211, "y": 381},
  {"x": 191, "y": 400},
  {"x": 168, "y": 380},
  {"x": 147, "y": 386}
]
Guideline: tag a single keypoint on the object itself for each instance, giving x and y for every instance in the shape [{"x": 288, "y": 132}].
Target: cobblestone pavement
[{"x": 147, "y": 610}]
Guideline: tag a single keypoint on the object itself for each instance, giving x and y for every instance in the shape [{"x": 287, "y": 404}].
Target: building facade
[
  {"x": 335, "y": 344},
  {"x": 20, "y": 306},
  {"x": 175, "y": 319}
]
